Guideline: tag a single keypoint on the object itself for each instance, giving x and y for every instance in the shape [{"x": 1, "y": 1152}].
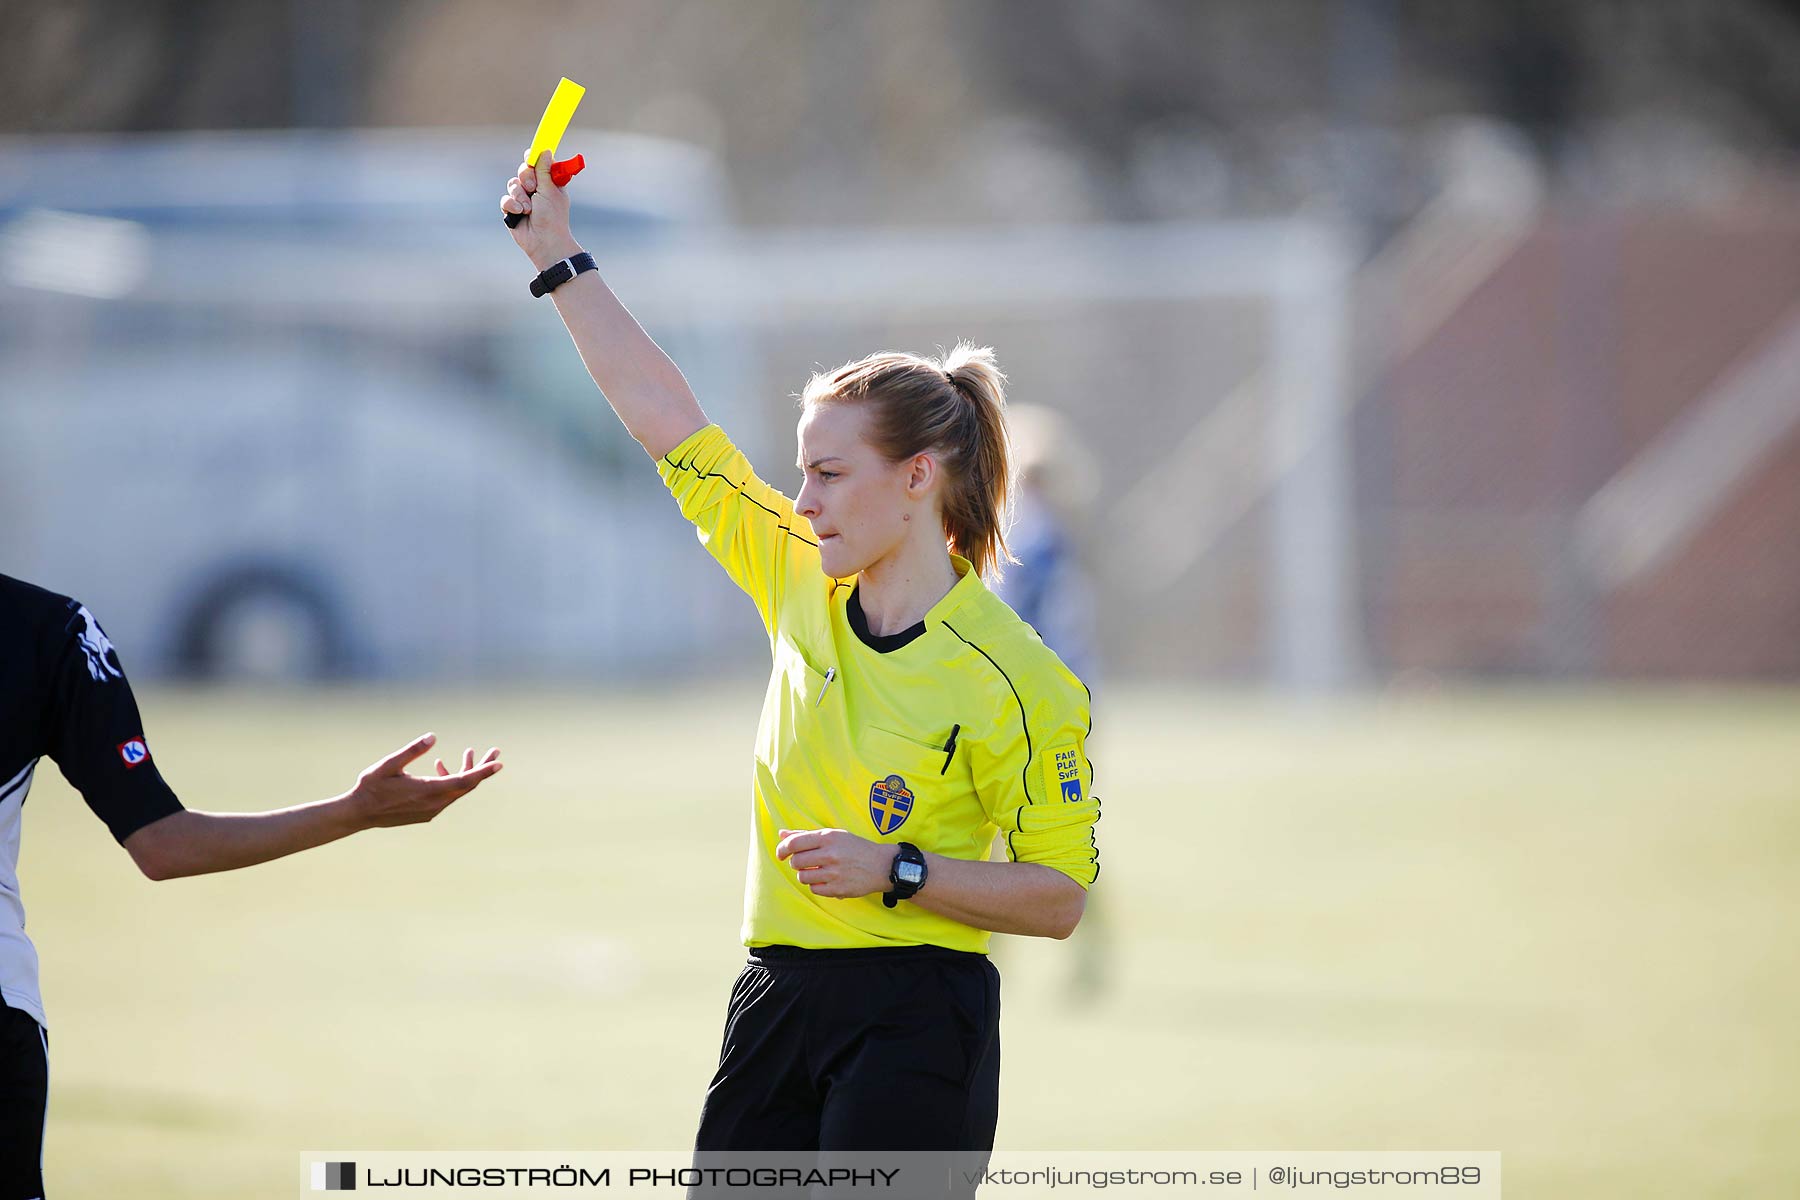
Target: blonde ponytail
[{"x": 977, "y": 506}]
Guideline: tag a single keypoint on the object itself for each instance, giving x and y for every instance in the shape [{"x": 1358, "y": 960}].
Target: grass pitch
[{"x": 1560, "y": 926}]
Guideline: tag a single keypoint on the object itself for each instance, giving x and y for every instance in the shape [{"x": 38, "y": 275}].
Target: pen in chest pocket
[
  {"x": 950, "y": 749},
  {"x": 830, "y": 674}
]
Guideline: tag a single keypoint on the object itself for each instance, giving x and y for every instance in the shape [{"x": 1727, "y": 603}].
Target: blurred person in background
[
  {"x": 63, "y": 694},
  {"x": 906, "y": 700},
  {"x": 1049, "y": 587}
]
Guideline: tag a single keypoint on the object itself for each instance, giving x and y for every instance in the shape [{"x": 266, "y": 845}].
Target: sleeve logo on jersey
[
  {"x": 134, "y": 752},
  {"x": 1063, "y": 767},
  {"x": 890, "y": 802},
  {"x": 102, "y": 659}
]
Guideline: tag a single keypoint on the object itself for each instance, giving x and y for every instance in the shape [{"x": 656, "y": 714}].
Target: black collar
[{"x": 881, "y": 644}]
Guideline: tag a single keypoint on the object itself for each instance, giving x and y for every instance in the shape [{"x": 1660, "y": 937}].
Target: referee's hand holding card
[{"x": 544, "y": 233}]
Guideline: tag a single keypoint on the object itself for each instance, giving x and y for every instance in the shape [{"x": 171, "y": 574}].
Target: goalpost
[{"x": 1288, "y": 436}]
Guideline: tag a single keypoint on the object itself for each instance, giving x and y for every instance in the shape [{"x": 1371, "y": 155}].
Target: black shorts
[
  {"x": 880, "y": 1049},
  {"x": 24, "y": 1088}
]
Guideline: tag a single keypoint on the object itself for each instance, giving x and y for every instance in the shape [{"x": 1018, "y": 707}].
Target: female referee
[{"x": 910, "y": 719}]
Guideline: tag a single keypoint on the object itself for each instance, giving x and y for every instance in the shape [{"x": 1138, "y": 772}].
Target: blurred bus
[{"x": 280, "y": 406}]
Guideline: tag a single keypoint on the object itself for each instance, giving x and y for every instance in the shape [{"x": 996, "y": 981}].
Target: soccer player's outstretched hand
[
  {"x": 386, "y": 795},
  {"x": 544, "y": 233}
]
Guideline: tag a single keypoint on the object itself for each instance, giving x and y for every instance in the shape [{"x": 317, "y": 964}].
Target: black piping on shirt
[
  {"x": 738, "y": 490},
  {"x": 1093, "y": 842},
  {"x": 1024, "y": 775}
]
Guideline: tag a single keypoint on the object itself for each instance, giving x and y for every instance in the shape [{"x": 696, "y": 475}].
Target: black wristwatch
[
  {"x": 907, "y": 876},
  {"x": 559, "y": 273}
]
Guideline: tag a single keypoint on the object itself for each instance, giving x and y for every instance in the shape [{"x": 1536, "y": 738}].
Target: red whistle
[{"x": 567, "y": 169}]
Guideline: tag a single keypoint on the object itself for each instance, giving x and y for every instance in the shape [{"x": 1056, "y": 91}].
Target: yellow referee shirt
[{"x": 852, "y": 738}]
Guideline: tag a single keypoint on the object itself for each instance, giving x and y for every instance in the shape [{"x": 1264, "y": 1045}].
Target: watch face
[{"x": 909, "y": 872}]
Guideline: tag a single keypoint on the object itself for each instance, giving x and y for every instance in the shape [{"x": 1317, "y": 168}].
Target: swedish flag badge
[{"x": 890, "y": 802}]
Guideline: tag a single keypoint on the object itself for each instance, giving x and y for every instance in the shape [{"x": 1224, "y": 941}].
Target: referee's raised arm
[{"x": 641, "y": 383}]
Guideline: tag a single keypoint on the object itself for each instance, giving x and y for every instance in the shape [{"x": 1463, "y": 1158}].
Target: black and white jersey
[{"x": 63, "y": 695}]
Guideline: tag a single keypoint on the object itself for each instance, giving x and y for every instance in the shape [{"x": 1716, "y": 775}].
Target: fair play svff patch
[{"x": 1065, "y": 769}]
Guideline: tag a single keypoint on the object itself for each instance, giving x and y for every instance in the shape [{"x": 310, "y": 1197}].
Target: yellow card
[{"x": 557, "y": 116}]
